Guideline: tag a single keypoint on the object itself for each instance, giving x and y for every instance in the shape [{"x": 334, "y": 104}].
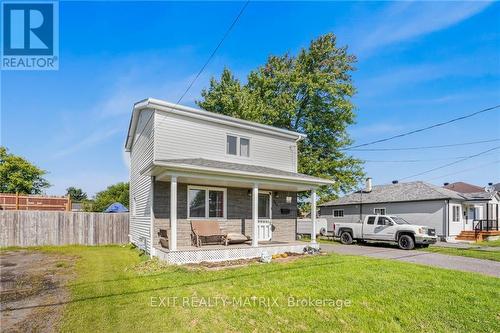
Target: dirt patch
[{"x": 33, "y": 290}]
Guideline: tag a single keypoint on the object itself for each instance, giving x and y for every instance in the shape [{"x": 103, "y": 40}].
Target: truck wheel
[
  {"x": 346, "y": 238},
  {"x": 405, "y": 242}
]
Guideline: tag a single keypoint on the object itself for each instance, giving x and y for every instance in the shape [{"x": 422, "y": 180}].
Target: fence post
[
  {"x": 17, "y": 200},
  {"x": 68, "y": 206}
]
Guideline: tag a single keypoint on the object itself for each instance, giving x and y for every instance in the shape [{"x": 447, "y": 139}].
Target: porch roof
[{"x": 236, "y": 171}]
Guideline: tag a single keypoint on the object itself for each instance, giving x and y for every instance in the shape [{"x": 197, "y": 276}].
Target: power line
[
  {"x": 425, "y": 128},
  {"x": 215, "y": 50},
  {"x": 464, "y": 170},
  {"x": 427, "y": 147},
  {"x": 450, "y": 164},
  {"x": 414, "y": 161}
]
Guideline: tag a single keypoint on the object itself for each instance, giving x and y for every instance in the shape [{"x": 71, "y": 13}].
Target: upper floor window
[
  {"x": 379, "y": 211},
  {"x": 236, "y": 145}
]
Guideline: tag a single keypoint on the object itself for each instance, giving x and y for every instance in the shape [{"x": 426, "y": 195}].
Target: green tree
[
  {"x": 76, "y": 194},
  {"x": 310, "y": 93},
  {"x": 114, "y": 193},
  {"x": 19, "y": 175}
]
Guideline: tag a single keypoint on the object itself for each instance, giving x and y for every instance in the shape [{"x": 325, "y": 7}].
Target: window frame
[
  {"x": 337, "y": 210},
  {"x": 238, "y": 145},
  {"x": 453, "y": 213},
  {"x": 379, "y": 208},
  {"x": 207, "y": 190}
]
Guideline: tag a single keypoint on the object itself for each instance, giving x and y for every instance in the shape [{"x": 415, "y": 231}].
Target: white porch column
[
  {"x": 313, "y": 218},
  {"x": 173, "y": 214},
  {"x": 255, "y": 215}
]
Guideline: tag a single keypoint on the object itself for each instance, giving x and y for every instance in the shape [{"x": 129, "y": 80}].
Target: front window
[
  {"x": 206, "y": 202},
  {"x": 237, "y": 146},
  {"x": 338, "y": 213},
  {"x": 456, "y": 213},
  {"x": 244, "y": 147},
  {"x": 232, "y": 145}
]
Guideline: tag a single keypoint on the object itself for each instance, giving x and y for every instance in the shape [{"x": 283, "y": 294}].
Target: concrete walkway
[{"x": 487, "y": 267}]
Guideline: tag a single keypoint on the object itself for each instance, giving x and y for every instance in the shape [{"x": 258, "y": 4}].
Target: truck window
[
  {"x": 371, "y": 220},
  {"x": 383, "y": 220}
]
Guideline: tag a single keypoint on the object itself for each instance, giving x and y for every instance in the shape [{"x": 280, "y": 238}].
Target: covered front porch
[{"x": 260, "y": 206}]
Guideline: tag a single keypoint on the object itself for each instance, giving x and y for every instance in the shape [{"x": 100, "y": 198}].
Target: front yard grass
[
  {"x": 472, "y": 252},
  {"x": 114, "y": 288}
]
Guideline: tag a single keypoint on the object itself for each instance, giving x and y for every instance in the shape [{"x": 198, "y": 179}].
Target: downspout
[
  {"x": 152, "y": 218},
  {"x": 447, "y": 220}
]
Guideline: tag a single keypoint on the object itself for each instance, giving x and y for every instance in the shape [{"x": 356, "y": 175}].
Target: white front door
[{"x": 264, "y": 225}]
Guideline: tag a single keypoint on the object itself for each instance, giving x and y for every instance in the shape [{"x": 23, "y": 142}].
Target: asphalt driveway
[{"x": 487, "y": 267}]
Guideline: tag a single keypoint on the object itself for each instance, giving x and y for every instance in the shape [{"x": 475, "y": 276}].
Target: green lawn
[{"x": 113, "y": 290}]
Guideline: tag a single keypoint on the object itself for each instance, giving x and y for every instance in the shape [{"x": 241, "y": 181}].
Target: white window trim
[
  {"x": 207, "y": 199},
  {"x": 238, "y": 146},
  {"x": 337, "y": 217},
  {"x": 385, "y": 210},
  {"x": 459, "y": 213}
]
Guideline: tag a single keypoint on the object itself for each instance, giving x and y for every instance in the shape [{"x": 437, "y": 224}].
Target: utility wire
[
  {"x": 215, "y": 50},
  {"x": 414, "y": 161},
  {"x": 464, "y": 170},
  {"x": 427, "y": 147},
  {"x": 450, "y": 164},
  {"x": 424, "y": 129}
]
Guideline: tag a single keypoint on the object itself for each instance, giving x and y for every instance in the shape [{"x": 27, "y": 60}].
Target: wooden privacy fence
[
  {"x": 35, "y": 228},
  {"x": 15, "y": 201}
]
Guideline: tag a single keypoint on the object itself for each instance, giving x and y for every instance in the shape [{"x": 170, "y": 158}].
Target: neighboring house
[
  {"x": 462, "y": 187},
  {"x": 417, "y": 202},
  {"x": 190, "y": 164}
]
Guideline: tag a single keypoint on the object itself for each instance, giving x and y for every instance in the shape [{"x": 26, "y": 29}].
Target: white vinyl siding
[
  {"x": 140, "y": 185},
  {"x": 178, "y": 136}
]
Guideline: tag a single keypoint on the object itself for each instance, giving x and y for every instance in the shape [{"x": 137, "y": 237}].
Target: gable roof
[
  {"x": 462, "y": 187},
  {"x": 400, "y": 192},
  {"x": 156, "y": 104}
]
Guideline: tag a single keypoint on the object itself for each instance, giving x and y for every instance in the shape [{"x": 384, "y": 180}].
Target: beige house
[{"x": 193, "y": 165}]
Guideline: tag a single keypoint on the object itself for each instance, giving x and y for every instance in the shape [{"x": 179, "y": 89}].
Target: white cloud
[
  {"x": 91, "y": 140},
  {"x": 404, "y": 21}
]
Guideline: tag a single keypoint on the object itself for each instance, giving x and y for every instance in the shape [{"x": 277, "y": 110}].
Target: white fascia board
[
  {"x": 252, "y": 175},
  {"x": 160, "y": 105}
]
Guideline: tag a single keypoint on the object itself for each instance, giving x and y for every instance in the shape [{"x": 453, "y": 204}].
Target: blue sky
[{"x": 419, "y": 63}]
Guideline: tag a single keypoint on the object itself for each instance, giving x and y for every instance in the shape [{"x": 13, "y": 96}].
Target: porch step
[{"x": 471, "y": 235}]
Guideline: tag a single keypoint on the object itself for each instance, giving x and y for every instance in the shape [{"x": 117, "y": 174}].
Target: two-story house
[{"x": 190, "y": 165}]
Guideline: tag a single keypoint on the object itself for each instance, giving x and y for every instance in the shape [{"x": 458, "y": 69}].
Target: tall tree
[
  {"x": 118, "y": 192},
  {"x": 310, "y": 93},
  {"x": 76, "y": 194},
  {"x": 19, "y": 175}
]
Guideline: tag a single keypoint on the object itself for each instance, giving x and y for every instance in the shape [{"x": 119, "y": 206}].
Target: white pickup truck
[{"x": 385, "y": 228}]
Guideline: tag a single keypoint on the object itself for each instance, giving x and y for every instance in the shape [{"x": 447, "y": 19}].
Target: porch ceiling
[{"x": 205, "y": 172}]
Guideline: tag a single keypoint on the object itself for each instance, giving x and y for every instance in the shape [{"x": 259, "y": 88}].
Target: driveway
[{"x": 487, "y": 267}]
